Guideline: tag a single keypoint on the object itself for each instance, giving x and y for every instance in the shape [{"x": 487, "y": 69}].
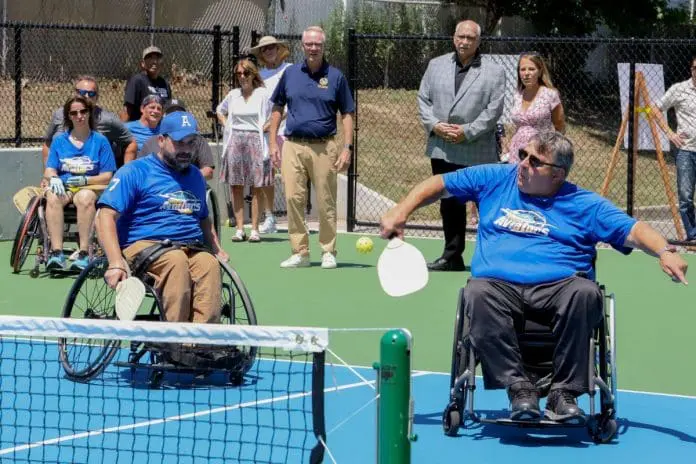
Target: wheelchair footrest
[{"x": 537, "y": 424}]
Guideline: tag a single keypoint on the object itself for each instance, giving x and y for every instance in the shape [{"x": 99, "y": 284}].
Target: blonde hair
[
  {"x": 544, "y": 78},
  {"x": 283, "y": 54}
]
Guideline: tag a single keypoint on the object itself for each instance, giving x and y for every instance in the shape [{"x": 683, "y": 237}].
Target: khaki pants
[
  {"x": 188, "y": 282},
  {"x": 313, "y": 160}
]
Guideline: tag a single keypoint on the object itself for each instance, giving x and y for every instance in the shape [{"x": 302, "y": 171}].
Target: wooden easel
[{"x": 643, "y": 106}]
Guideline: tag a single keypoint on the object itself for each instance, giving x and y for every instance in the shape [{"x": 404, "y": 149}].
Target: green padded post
[{"x": 394, "y": 410}]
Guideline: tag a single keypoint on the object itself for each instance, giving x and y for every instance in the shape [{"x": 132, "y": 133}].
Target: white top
[
  {"x": 246, "y": 115},
  {"x": 682, "y": 97},
  {"x": 271, "y": 78}
]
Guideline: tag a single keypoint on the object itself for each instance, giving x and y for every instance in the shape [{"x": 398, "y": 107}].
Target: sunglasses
[
  {"x": 534, "y": 161},
  {"x": 81, "y": 112},
  {"x": 86, "y": 93},
  {"x": 269, "y": 47},
  {"x": 243, "y": 73}
]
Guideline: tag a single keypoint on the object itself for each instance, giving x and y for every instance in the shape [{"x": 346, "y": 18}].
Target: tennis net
[{"x": 105, "y": 391}]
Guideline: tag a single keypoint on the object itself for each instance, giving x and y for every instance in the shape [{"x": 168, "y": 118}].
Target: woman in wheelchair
[
  {"x": 79, "y": 162},
  {"x": 159, "y": 198},
  {"x": 537, "y": 234}
]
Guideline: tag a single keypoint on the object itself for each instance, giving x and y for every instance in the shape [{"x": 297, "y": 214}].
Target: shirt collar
[
  {"x": 324, "y": 67},
  {"x": 475, "y": 62}
]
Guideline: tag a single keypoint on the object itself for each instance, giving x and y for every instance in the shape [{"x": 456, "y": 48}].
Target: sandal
[
  {"x": 239, "y": 236},
  {"x": 254, "y": 237}
]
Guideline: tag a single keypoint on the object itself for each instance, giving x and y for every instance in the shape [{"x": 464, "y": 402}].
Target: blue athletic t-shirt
[
  {"x": 529, "y": 240},
  {"x": 94, "y": 158},
  {"x": 140, "y": 132},
  {"x": 156, "y": 203}
]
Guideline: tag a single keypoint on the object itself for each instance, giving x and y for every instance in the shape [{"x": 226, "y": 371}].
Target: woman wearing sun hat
[{"x": 271, "y": 54}]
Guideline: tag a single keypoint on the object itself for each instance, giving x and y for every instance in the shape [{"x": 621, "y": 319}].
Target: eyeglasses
[
  {"x": 86, "y": 93},
  {"x": 534, "y": 161},
  {"x": 81, "y": 112},
  {"x": 268, "y": 47},
  {"x": 313, "y": 44},
  {"x": 244, "y": 73}
]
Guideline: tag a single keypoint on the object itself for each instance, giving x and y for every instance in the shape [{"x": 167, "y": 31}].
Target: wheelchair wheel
[
  {"x": 27, "y": 230},
  {"x": 237, "y": 309},
  {"x": 213, "y": 208},
  {"x": 89, "y": 298},
  {"x": 602, "y": 429}
]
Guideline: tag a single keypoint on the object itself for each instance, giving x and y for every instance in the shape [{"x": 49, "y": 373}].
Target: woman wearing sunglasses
[
  {"x": 537, "y": 105},
  {"x": 271, "y": 54},
  {"x": 244, "y": 113},
  {"x": 79, "y": 161}
]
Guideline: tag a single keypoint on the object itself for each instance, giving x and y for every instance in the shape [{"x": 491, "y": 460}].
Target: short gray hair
[
  {"x": 558, "y": 145},
  {"x": 314, "y": 29}
]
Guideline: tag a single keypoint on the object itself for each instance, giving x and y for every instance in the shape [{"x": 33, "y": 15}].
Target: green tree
[{"x": 637, "y": 18}]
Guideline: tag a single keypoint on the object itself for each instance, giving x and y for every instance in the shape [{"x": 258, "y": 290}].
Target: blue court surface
[{"x": 117, "y": 418}]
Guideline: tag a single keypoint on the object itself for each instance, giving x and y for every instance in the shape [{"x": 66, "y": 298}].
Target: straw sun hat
[{"x": 266, "y": 40}]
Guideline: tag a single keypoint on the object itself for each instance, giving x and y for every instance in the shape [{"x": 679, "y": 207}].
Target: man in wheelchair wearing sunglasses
[{"x": 535, "y": 251}]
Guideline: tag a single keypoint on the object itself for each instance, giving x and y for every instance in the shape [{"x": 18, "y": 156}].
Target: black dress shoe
[
  {"x": 524, "y": 402},
  {"x": 442, "y": 264}
]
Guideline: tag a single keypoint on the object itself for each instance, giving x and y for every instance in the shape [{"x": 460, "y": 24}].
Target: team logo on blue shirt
[
  {"x": 77, "y": 165},
  {"x": 520, "y": 220},
  {"x": 323, "y": 83},
  {"x": 183, "y": 202}
]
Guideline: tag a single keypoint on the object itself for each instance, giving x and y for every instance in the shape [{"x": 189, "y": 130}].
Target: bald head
[{"x": 467, "y": 38}]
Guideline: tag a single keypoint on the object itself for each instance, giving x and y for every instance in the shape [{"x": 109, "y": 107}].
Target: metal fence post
[
  {"x": 353, "y": 169},
  {"x": 632, "y": 119},
  {"x": 18, "y": 84},
  {"x": 235, "y": 46},
  {"x": 255, "y": 36},
  {"x": 217, "y": 46}
]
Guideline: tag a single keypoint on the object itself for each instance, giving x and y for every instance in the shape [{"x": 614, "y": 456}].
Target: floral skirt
[{"x": 244, "y": 164}]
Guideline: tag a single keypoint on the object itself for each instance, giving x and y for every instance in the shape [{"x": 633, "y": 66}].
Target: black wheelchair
[
  {"x": 32, "y": 227},
  {"x": 91, "y": 298},
  {"x": 536, "y": 344}
]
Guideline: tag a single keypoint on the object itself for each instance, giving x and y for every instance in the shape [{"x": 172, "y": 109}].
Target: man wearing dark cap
[
  {"x": 202, "y": 154},
  {"x": 147, "y": 82}
]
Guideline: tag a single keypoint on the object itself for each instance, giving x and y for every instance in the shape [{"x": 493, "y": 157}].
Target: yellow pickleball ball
[{"x": 364, "y": 245}]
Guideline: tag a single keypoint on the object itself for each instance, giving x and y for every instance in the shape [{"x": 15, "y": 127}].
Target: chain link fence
[
  {"x": 592, "y": 75},
  {"x": 593, "y": 78}
]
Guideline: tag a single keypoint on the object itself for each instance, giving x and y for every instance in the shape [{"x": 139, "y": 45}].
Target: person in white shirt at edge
[
  {"x": 271, "y": 54},
  {"x": 244, "y": 113}
]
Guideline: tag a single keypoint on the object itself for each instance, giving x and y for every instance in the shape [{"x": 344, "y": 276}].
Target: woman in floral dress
[{"x": 537, "y": 106}]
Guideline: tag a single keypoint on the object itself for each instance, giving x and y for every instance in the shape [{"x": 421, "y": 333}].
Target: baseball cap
[
  {"x": 150, "y": 50},
  {"x": 175, "y": 104},
  {"x": 178, "y": 125}
]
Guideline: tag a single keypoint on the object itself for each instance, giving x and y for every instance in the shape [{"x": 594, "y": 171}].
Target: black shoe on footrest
[
  {"x": 524, "y": 401},
  {"x": 561, "y": 406}
]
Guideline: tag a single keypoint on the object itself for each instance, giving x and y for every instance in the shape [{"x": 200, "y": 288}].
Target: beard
[{"x": 178, "y": 161}]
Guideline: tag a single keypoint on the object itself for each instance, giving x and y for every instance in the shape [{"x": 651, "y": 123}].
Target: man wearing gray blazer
[{"x": 459, "y": 102}]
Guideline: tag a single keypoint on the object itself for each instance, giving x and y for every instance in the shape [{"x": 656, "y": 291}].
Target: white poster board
[
  {"x": 655, "y": 83},
  {"x": 509, "y": 63}
]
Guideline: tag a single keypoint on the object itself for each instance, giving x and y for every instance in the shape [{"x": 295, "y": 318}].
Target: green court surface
[{"x": 655, "y": 317}]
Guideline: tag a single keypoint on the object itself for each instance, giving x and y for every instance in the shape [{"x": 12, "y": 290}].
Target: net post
[{"x": 394, "y": 410}]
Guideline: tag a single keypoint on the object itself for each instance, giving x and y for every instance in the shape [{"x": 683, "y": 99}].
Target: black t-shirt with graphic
[{"x": 140, "y": 86}]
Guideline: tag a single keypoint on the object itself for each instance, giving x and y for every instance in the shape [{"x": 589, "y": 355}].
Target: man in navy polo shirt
[
  {"x": 162, "y": 197},
  {"x": 534, "y": 256},
  {"x": 313, "y": 92}
]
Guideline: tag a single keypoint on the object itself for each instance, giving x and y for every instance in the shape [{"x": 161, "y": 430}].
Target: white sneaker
[
  {"x": 269, "y": 225},
  {"x": 328, "y": 261},
  {"x": 296, "y": 260}
]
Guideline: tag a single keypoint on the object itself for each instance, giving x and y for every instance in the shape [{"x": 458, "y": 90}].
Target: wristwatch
[{"x": 348, "y": 146}]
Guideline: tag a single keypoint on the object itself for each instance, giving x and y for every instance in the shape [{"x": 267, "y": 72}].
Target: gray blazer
[{"x": 477, "y": 106}]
